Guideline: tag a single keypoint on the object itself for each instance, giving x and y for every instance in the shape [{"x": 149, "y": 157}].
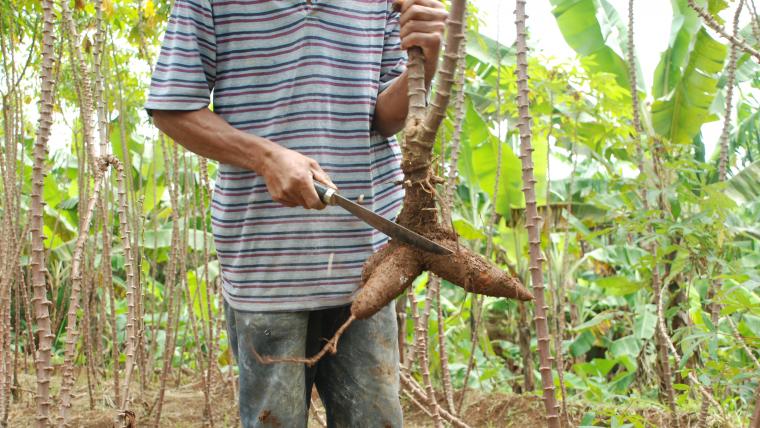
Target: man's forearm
[
  {"x": 393, "y": 104},
  {"x": 392, "y": 107},
  {"x": 205, "y": 133}
]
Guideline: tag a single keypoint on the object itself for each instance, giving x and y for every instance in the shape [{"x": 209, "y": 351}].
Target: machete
[{"x": 329, "y": 196}]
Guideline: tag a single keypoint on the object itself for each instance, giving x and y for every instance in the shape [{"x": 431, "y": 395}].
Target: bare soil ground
[{"x": 183, "y": 407}]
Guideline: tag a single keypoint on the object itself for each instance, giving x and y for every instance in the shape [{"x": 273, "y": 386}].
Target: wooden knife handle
[{"x": 325, "y": 193}]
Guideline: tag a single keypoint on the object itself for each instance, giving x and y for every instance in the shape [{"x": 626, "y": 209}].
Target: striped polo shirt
[{"x": 306, "y": 76}]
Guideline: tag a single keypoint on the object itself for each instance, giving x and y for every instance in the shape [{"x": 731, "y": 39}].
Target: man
[{"x": 302, "y": 91}]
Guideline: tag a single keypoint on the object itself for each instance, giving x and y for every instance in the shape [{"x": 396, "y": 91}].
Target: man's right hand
[{"x": 290, "y": 177}]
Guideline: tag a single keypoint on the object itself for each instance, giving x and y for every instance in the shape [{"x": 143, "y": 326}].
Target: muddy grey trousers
[{"x": 359, "y": 385}]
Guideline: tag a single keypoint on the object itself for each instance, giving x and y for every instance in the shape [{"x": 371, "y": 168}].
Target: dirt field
[{"x": 183, "y": 408}]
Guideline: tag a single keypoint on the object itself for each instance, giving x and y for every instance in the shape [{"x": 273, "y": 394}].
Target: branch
[
  {"x": 416, "y": 390},
  {"x": 712, "y": 23},
  {"x": 416, "y": 85}
]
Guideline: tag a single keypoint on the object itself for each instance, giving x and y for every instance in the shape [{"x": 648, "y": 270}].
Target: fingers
[
  {"x": 424, "y": 40},
  {"x": 422, "y": 13},
  {"x": 422, "y": 23},
  {"x": 310, "y": 197},
  {"x": 422, "y": 27},
  {"x": 320, "y": 175},
  {"x": 290, "y": 180},
  {"x": 404, "y": 5}
]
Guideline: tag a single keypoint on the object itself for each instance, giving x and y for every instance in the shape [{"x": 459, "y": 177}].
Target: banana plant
[{"x": 686, "y": 80}]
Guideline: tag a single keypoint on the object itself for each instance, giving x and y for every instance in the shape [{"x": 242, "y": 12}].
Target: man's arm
[
  {"x": 422, "y": 24},
  {"x": 287, "y": 173}
]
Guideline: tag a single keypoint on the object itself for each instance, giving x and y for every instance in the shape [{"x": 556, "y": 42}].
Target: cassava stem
[
  {"x": 735, "y": 40},
  {"x": 531, "y": 213},
  {"x": 39, "y": 299},
  {"x": 715, "y": 285}
]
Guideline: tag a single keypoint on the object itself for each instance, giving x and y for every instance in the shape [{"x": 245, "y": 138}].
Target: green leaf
[
  {"x": 582, "y": 343},
  {"x": 618, "y": 285},
  {"x": 744, "y": 187},
  {"x": 486, "y": 50},
  {"x": 479, "y": 165},
  {"x": 465, "y": 229},
  {"x": 679, "y": 113},
  {"x": 645, "y": 322},
  {"x": 197, "y": 289},
  {"x": 591, "y": 28},
  {"x": 629, "y": 345},
  {"x": 598, "y": 319}
]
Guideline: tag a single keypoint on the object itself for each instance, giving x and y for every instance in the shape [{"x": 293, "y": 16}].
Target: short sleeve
[
  {"x": 185, "y": 73},
  {"x": 394, "y": 58}
]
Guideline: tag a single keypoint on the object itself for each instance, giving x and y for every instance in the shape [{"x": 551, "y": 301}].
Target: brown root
[
  {"x": 475, "y": 274},
  {"x": 389, "y": 277},
  {"x": 375, "y": 259}
]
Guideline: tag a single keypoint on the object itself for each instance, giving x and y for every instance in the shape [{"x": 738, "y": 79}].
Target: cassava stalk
[
  {"x": 173, "y": 304},
  {"x": 111, "y": 291},
  {"x": 634, "y": 84},
  {"x": 129, "y": 268},
  {"x": 730, "y": 82},
  {"x": 532, "y": 218},
  {"x": 743, "y": 343},
  {"x": 662, "y": 338},
  {"x": 72, "y": 335},
  {"x": 448, "y": 390},
  {"x": 715, "y": 285},
  {"x": 456, "y": 138},
  {"x": 755, "y": 420},
  {"x": 735, "y": 40},
  {"x": 39, "y": 299},
  {"x": 422, "y": 355}
]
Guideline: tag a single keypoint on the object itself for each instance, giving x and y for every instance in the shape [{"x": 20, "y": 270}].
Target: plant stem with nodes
[
  {"x": 532, "y": 217},
  {"x": 662, "y": 330},
  {"x": 422, "y": 355},
  {"x": 734, "y": 39},
  {"x": 663, "y": 338},
  {"x": 39, "y": 299},
  {"x": 129, "y": 268},
  {"x": 442, "y": 355},
  {"x": 730, "y": 82},
  {"x": 100, "y": 165},
  {"x": 739, "y": 338},
  {"x": 656, "y": 280},
  {"x": 177, "y": 252},
  {"x": 72, "y": 335},
  {"x": 755, "y": 20},
  {"x": 722, "y": 171},
  {"x": 631, "y": 57},
  {"x": 456, "y": 137}
]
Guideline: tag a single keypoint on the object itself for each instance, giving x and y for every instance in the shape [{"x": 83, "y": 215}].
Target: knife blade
[{"x": 329, "y": 196}]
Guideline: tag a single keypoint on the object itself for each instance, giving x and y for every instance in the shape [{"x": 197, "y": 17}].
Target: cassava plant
[{"x": 390, "y": 271}]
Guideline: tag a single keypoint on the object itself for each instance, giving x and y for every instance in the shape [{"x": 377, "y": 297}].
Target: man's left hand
[{"x": 422, "y": 24}]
